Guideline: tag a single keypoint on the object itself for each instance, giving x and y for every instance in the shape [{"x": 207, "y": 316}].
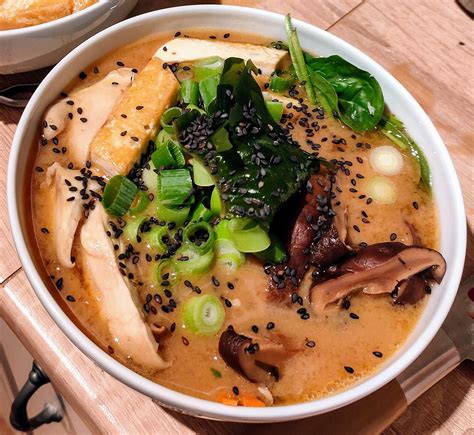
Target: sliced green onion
[
  {"x": 189, "y": 92},
  {"x": 208, "y": 67},
  {"x": 190, "y": 262},
  {"x": 220, "y": 139},
  {"x": 168, "y": 155},
  {"x": 174, "y": 187},
  {"x": 279, "y": 83},
  {"x": 297, "y": 58},
  {"x": 275, "y": 253},
  {"x": 228, "y": 254},
  {"x": 201, "y": 175},
  {"x": 222, "y": 229},
  {"x": 167, "y": 270},
  {"x": 154, "y": 238},
  {"x": 200, "y": 236},
  {"x": 132, "y": 228},
  {"x": 164, "y": 137},
  {"x": 190, "y": 107},
  {"x": 139, "y": 204},
  {"x": 216, "y": 204},
  {"x": 118, "y": 195},
  {"x": 201, "y": 213},
  {"x": 208, "y": 90},
  {"x": 178, "y": 215},
  {"x": 150, "y": 178},
  {"x": 168, "y": 117},
  {"x": 204, "y": 314},
  {"x": 275, "y": 108},
  {"x": 248, "y": 236}
]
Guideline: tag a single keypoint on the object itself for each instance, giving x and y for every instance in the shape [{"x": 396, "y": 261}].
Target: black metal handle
[{"x": 19, "y": 416}]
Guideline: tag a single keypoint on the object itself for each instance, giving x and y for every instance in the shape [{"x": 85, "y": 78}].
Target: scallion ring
[
  {"x": 201, "y": 213},
  {"x": 178, "y": 215},
  {"x": 204, "y": 314},
  {"x": 168, "y": 117},
  {"x": 275, "y": 108},
  {"x": 201, "y": 174},
  {"x": 154, "y": 238},
  {"x": 248, "y": 235},
  {"x": 168, "y": 155},
  {"x": 189, "y": 92},
  {"x": 190, "y": 262},
  {"x": 139, "y": 204},
  {"x": 118, "y": 195},
  {"x": 208, "y": 67},
  {"x": 166, "y": 270},
  {"x": 200, "y": 236},
  {"x": 175, "y": 187}
]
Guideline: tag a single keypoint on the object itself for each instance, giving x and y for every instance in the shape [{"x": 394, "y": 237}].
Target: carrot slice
[{"x": 251, "y": 401}]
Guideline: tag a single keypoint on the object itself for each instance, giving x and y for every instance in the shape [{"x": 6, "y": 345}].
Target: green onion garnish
[
  {"x": 201, "y": 175},
  {"x": 168, "y": 155},
  {"x": 118, "y": 195},
  {"x": 297, "y": 58},
  {"x": 200, "y": 236},
  {"x": 168, "y": 117},
  {"x": 204, "y": 314},
  {"x": 154, "y": 238},
  {"x": 275, "y": 108},
  {"x": 275, "y": 253},
  {"x": 167, "y": 268},
  {"x": 139, "y": 204},
  {"x": 201, "y": 213},
  {"x": 132, "y": 228},
  {"x": 216, "y": 204},
  {"x": 228, "y": 254},
  {"x": 178, "y": 215},
  {"x": 220, "y": 139},
  {"x": 216, "y": 372},
  {"x": 208, "y": 67},
  {"x": 175, "y": 187},
  {"x": 150, "y": 178},
  {"x": 248, "y": 236},
  {"x": 278, "y": 83},
  {"x": 190, "y": 262},
  {"x": 189, "y": 92},
  {"x": 208, "y": 90}
]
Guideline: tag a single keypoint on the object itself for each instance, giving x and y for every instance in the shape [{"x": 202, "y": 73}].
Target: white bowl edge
[{"x": 446, "y": 187}]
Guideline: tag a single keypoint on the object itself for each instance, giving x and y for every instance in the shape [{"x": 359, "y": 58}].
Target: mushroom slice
[
  {"x": 191, "y": 49},
  {"x": 79, "y": 117},
  {"x": 258, "y": 360},
  {"x": 375, "y": 269},
  {"x": 119, "y": 304},
  {"x": 67, "y": 208}
]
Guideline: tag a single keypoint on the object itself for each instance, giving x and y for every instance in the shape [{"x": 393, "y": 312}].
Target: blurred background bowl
[{"x": 35, "y": 47}]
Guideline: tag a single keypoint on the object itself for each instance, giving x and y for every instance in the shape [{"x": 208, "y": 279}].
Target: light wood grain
[{"x": 418, "y": 43}]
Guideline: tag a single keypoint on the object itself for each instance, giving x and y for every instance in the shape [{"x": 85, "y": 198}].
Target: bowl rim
[
  {"x": 47, "y": 26},
  {"x": 183, "y": 402}
]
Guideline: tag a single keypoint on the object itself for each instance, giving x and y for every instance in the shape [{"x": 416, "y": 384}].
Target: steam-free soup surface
[{"x": 330, "y": 350}]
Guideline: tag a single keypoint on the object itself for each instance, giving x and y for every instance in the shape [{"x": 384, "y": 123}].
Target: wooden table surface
[{"x": 428, "y": 46}]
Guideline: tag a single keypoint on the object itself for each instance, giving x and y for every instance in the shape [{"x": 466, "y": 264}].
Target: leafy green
[
  {"x": 359, "y": 102},
  {"x": 394, "y": 129},
  {"x": 264, "y": 167}
]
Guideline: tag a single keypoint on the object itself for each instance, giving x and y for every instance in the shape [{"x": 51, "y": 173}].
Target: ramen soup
[
  {"x": 15, "y": 14},
  {"x": 233, "y": 218}
]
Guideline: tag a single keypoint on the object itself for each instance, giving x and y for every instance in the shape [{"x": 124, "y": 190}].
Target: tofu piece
[
  {"x": 191, "y": 49},
  {"x": 118, "y": 301},
  {"x": 96, "y": 103},
  {"x": 134, "y": 121}
]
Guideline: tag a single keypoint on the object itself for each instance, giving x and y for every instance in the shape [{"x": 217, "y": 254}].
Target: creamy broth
[{"x": 329, "y": 351}]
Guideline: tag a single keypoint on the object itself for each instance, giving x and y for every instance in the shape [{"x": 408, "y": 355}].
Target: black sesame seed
[
  {"x": 185, "y": 341},
  {"x": 45, "y": 230},
  {"x": 228, "y": 303},
  {"x": 378, "y": 354},
  {"x": 349, "y": 369},
  {"x": 310, "y": 343},
  {"x": 235, "y": 390},
  {"x": 120, "y": 63},
  {"x": 82, "y": 75},
  {"x": 255, "y": 329},
  {"x": 226, "y": 35},
  {"x": 215, "y": 281},
  {"x": 173, "y": 327},
  {"x": 177, "y": 34},
  {"x": 71, "y": 298},
  {"x": 270, "y": 325},
  {"x": 59, "y": 283},
  {"x": 110, "y": 349},
  {"x": 168, "y": 293},
  {"x": 188, "y": 283},
  {"x": 415, "y": 205},
  {"x": 230, "y": 286},
  {"x": 353, "y": 316},
  {"x": 393, "y": 237}
]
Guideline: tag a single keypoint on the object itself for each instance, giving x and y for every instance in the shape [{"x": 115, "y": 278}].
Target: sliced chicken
[
  {"x": 119, "y": 302},
  {"x": 77, "y": 119},
  {"x": 191, "y": 49},
  {"x": 68, "y": 202},
  {"x": 134, "y": 121}
]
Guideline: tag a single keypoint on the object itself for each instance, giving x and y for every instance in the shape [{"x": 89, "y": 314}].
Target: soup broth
[{"x": 328, "y": 350}]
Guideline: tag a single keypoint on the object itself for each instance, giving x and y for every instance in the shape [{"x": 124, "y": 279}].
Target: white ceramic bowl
[
  {"x": 445, "y": 185},
  {"x": 35, "y": 47}
]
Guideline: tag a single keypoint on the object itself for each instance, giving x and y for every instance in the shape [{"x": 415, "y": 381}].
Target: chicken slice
[
  {"x": 134, "y": 121},
  {"x": 118, "y": 301},
  {"x": 67, "y": 207},
  {"x": 191, "y": 49},
  {"x": 95, "y": 103}
]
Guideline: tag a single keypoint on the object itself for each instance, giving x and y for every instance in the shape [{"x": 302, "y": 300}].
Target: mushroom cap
[
  {"x": 257, "y": 361},
  {"x": 379, "y": 268}
]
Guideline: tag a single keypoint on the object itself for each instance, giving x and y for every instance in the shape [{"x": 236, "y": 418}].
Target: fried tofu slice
[
  {"x": 190, "y": 49},
  {"x": 134, "y": 121},
  {"x": 119, "y": 302}
]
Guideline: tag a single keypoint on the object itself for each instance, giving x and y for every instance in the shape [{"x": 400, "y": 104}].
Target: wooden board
[{"x": 419, "y": 43}]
